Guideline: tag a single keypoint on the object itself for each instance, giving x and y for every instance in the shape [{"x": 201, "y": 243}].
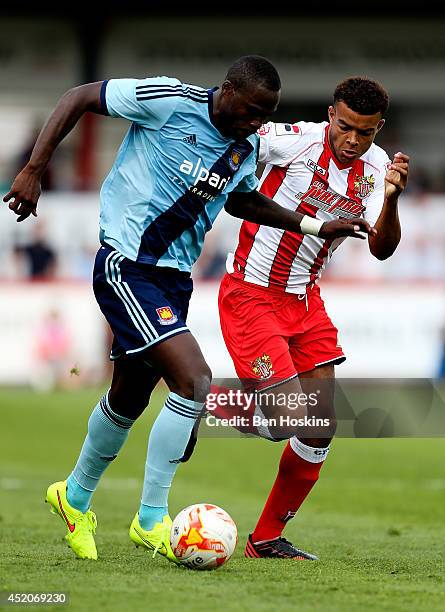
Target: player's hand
[
  {"x": 357, "y": 228},
  {"x": 24, "y": 193},
  {"x": 396, "y": 175}
]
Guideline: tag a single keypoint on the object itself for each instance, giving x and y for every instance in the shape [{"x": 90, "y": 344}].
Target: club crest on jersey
[
  {"x": 262, "y": 366},
  {"x": 364, "y": 185},
  {"x": 285, "y": 129},
  {"x": 166, "y": 315},
  {"x": 234, "y": 160}
]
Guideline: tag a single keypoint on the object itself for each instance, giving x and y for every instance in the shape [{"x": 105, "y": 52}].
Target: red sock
[{"x": 296, "y": 477}]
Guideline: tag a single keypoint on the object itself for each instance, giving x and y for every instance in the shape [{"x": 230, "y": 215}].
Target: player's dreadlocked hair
[
  {"x": 253, "y": 70},
  {"x": 362, "y": 95}
]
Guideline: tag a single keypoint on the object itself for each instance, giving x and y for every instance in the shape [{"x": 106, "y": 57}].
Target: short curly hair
[
  {"x": 362, "y": 95},
  {"x": 251, "y": 70}
]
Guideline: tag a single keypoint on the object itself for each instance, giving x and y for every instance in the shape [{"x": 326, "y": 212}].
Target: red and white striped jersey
[{"x": 303, "y": 175}]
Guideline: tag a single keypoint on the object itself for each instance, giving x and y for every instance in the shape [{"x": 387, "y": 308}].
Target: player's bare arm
[
  {"x": 258, "y": 208},
  {"x": 25, "y": 190},
  {"x": 384, "y": 243}
]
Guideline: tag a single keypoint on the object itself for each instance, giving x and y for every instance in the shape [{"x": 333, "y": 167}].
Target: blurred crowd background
[{"x": 394, "y": 308}]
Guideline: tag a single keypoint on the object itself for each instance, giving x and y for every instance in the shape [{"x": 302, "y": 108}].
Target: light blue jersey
[{"x": 173, "y": 172}]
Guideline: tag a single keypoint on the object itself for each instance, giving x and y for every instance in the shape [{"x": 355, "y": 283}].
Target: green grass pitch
[{"x": 375, "y": 518}]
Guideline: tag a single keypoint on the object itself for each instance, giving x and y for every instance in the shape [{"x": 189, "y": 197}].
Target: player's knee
[
  {"x": 196, "y": 385},
  {"x": 129, "y": 402},
  {"x": 202, "y": 385}
]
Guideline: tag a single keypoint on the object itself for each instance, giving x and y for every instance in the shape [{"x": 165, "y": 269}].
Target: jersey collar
[{"x": 210, "y": 93}]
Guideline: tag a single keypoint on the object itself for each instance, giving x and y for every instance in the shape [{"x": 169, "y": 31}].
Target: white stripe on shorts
[{"x": 132, "y": 306}]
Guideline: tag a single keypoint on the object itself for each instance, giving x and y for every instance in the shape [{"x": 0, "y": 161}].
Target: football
[{"x": 203, "y": 537}]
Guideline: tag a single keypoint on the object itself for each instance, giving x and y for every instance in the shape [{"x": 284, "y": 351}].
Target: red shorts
[{"x": 274, "y": 336}]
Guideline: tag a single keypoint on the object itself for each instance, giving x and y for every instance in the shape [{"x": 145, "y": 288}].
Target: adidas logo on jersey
[{"x": 191, "y": 140}]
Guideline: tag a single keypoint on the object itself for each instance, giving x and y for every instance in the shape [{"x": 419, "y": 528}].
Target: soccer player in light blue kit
[{"x": 188, "y": 153}]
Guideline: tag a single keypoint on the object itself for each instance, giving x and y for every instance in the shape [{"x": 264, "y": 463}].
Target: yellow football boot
[
  {"x": 80, "y": 525},
  {"x": 156, "y": 540}
]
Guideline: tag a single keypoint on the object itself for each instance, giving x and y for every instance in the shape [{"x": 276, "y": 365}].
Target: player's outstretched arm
[
  {"x": 25, "y": 190},
  {"x": 258, "y": 208},
  {"x": 384, "y": 243}
]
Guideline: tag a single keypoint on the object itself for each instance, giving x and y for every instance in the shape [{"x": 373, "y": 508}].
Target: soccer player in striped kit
[
  {"x": 188, "y": 152},
  {"x": 273, "y": 318}
]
